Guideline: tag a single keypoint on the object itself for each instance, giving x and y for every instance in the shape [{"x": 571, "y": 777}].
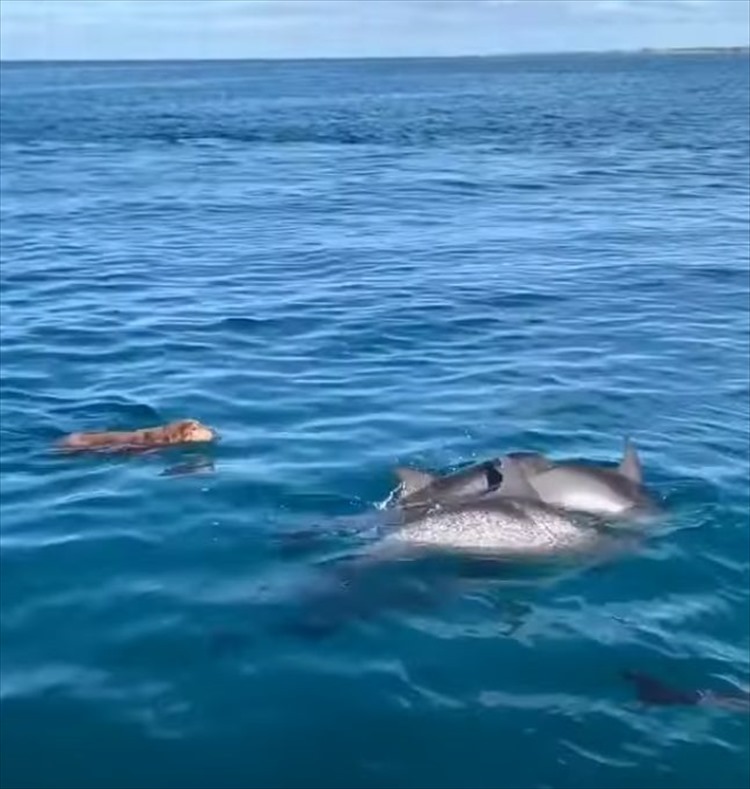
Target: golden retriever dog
[{"x": 184, "y": 431}]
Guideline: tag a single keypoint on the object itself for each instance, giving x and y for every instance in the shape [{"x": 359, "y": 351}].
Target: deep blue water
[{"x": 343, "y": 266}]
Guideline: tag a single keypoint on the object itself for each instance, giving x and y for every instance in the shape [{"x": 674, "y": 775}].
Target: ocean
[{"x": 345, "y": 266}]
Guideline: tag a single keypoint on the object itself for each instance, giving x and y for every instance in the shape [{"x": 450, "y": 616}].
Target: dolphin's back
[
  {"x": 595, "y": 490},
  {"x": 499, "y": 527},
  {"x": 464, "y": 484}
]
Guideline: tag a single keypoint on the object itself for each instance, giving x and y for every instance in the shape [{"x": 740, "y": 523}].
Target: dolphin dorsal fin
[
  {"x": 515, "y": 482},
  {"x": 630, "y": 465},
  {"x": 412, "y": 479}
]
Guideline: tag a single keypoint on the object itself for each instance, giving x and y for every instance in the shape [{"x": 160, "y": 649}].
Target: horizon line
[{"x": 703, "y": 49}]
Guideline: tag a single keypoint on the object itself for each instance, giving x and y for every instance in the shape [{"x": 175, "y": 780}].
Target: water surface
[{"x": 343, "y": 266}]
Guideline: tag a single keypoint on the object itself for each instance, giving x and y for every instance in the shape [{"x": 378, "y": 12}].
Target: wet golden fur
[{"x": 184, "y": 431}]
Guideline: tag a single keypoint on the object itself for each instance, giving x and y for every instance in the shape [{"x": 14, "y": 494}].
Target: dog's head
[{"x": 189, "y": 431}]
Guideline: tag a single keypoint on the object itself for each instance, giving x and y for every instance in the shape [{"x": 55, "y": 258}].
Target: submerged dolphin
[
  {"x": 599, "y": 490},
  {"x": 650, "y": 690}
]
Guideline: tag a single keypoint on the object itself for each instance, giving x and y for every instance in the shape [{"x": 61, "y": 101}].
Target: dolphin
[
  {"x": 650, "y": 690},
  {"x": 605, "y": 491},
  {"x": 418, "y": 488},
  {"x": 516, "y": 523},
  {"x": 608, "y": 491}
]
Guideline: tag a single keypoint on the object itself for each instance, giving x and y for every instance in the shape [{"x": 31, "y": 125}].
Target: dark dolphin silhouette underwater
[{"x": 653, "y": 691}]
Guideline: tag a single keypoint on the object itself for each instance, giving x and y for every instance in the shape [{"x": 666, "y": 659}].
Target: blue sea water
[{"x": 345, "y": 266}]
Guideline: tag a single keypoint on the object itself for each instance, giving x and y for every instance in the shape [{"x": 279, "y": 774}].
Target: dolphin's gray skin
[
  {"x": 420, "y": 488},
  {"x": 501, "y": 526},
  {"x": 599, "y": 490}
]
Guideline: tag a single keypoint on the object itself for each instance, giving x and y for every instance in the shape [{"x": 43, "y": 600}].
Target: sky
[{"x": 186, "y": 29}]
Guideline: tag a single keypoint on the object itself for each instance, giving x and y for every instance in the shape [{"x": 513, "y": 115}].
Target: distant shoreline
[
  {"x": 696, "y": 51},
  {"x": 731, "y": 50}
]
